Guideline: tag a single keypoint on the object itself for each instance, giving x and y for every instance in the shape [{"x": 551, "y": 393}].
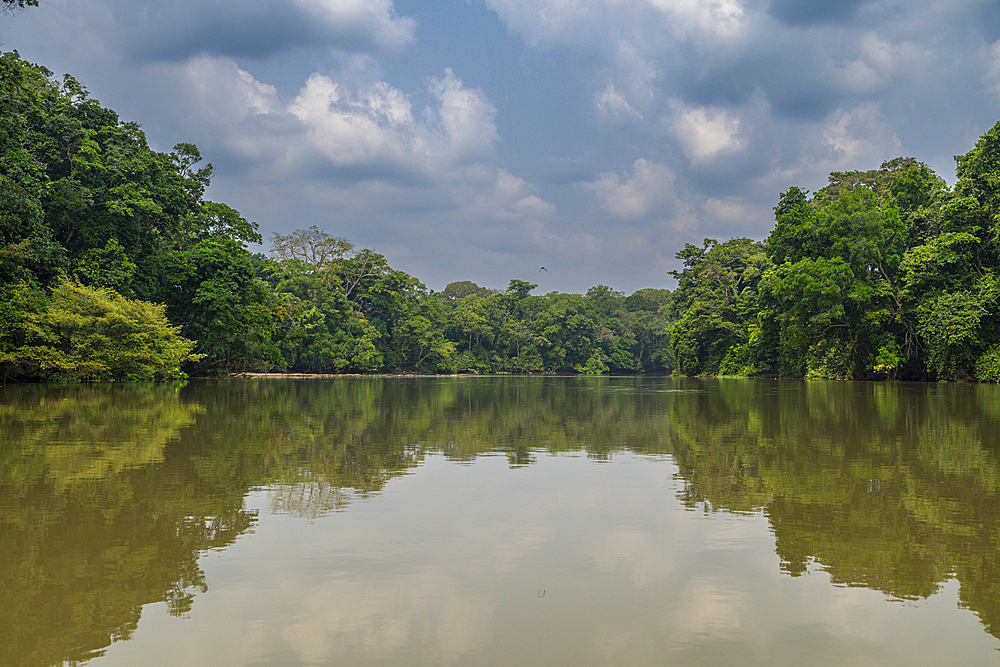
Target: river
[{"x": 500, "y": 520}]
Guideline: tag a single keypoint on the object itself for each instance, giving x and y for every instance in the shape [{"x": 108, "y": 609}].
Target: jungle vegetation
[{"x": 114, "y": 266}]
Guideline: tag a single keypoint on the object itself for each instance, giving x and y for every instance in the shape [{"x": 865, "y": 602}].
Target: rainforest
[{"x": 114, "y": 266}]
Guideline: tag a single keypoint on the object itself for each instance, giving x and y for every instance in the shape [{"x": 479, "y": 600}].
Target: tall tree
[{"x": 716, "y": 302}]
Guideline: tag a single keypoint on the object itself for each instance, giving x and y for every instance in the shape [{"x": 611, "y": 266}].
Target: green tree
[
  {"x": 809, "y": 303},
  {"x": 324, "y": 332},
  {"x": 213, "y": 292},
  {"x": 716, "y": 303},
  {"x": 464, "y": 288},
  {"x": 978, "y": 173},
  {"x": 950, "y": 328},
  {"x": 652, "y": 315},
  {"x": 106, "y": 267},
  {"x": 472, "y": 316},
  {"x": 89, "y": 333},
  {"x": 839, "y": 254}
]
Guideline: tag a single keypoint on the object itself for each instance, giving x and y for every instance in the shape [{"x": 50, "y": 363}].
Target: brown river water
[{"x": 500, "y": 520}]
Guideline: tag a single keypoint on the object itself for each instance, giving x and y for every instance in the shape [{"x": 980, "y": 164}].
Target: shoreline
[{"x": 254, "y": 376}]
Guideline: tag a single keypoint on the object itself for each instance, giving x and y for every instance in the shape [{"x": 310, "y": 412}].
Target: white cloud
[
  {"x": 512, "y": 199},
  {"x": 355, "y": 127},
  {"x": 861, "y": 136},
  {"x": 375, "y": 18},
  {"x": 612, "y": 105},
  {"x": 704, "y": 132},
  {"x": 466, "y": 118},
  {"x": 551, "y": 21},
  {"x": 349, "y": 122},
  {"x": 644, "y": 192},
  {"x": 375, "y": 125},
  {"x": 220, "y": 89},
  {"x": 715, "y": 18}
]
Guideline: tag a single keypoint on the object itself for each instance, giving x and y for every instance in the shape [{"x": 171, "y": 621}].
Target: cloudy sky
[{"x": 482, "y": 139}]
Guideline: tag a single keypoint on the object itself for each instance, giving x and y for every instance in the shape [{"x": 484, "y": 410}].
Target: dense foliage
[
  {"x": 885, "y": 273},
  {"x": 881, "y": 274},
  {"x": 96, "y": 227}
]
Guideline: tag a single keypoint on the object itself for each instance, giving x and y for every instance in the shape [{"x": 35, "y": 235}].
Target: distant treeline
[{"x": 113, "y": 266}]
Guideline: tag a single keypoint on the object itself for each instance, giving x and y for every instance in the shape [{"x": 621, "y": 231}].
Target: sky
[{"x": 484, "y": 139}]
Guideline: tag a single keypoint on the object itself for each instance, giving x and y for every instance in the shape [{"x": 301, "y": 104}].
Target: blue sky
[{"x": 482, "y": 139}]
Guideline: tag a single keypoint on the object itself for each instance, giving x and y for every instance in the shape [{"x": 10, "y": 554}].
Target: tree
[
  {"x": 944, "y": 263},
  {"x": 716, "y": 302},
  {"x": 470, "y": 315},
  {"x": 90, "y": 333},
  {"x": 215, "y": 220},
  {"x": 10, "y": 5},
  {"x": 652, "y": 315},
  {"x": 519, "y": 289},
  {"x": 311, "y": 247},
  {"x": 321, "y": 331},
  {"x": 855, "y": 226},
  {"x": 106, "y": 267},
  {"x": 793, "y": 236},
  {"x": 978, "y": 172},
  {"x": 27, "y": 249},
  {"x": 614, "y": 333},
  {"x": 74, "y": 178},
  {"x": 463, "y": 288},
  {"x": 214, "y": 294},
  {"x": 949, "y": 326},
  {"x": 809, "y": 305}
]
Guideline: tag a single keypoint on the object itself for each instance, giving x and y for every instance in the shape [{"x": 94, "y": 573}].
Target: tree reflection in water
[{"x": 110, "y": 494}]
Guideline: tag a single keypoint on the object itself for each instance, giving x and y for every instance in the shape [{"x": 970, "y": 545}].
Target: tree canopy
[{"x": 882, "y": 273}]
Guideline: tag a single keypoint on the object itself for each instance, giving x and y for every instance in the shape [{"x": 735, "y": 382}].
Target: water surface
[{"x": 500, "y": 520}]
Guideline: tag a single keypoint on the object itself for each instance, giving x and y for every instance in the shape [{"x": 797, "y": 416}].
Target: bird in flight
[{"x": 543, "y": 269}]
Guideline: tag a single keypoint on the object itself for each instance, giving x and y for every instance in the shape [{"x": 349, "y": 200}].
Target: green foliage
[
  {"x": 94, "y": 334},
  {"x": 464, "y": 288},
  {"x": 793, "y": 236},
  {"x": 852, "y": 261},
  {"x": 214, "y": 294},
  {"x": 595, "y": 365},
  {"x": 949, "y": 327},
  {"x": 883, "y": 273},
  {"x": 942, "y": 264},
  {"x": 320, "y": 331},
  {"x": 743, "y": 359},
  {"x": 519, "y": 289},
  {"x": 807, "y": 301},
  {"x": 106, "y": 267},
  {"x": 717, "y": 298},
  {"x": 978, "y": 172},
  {"x": 988, "y": 365},
  {"x": 830, "y": 359},
  {"x": 27, "y": 249},
  {"x": 889, "y": 359}
]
